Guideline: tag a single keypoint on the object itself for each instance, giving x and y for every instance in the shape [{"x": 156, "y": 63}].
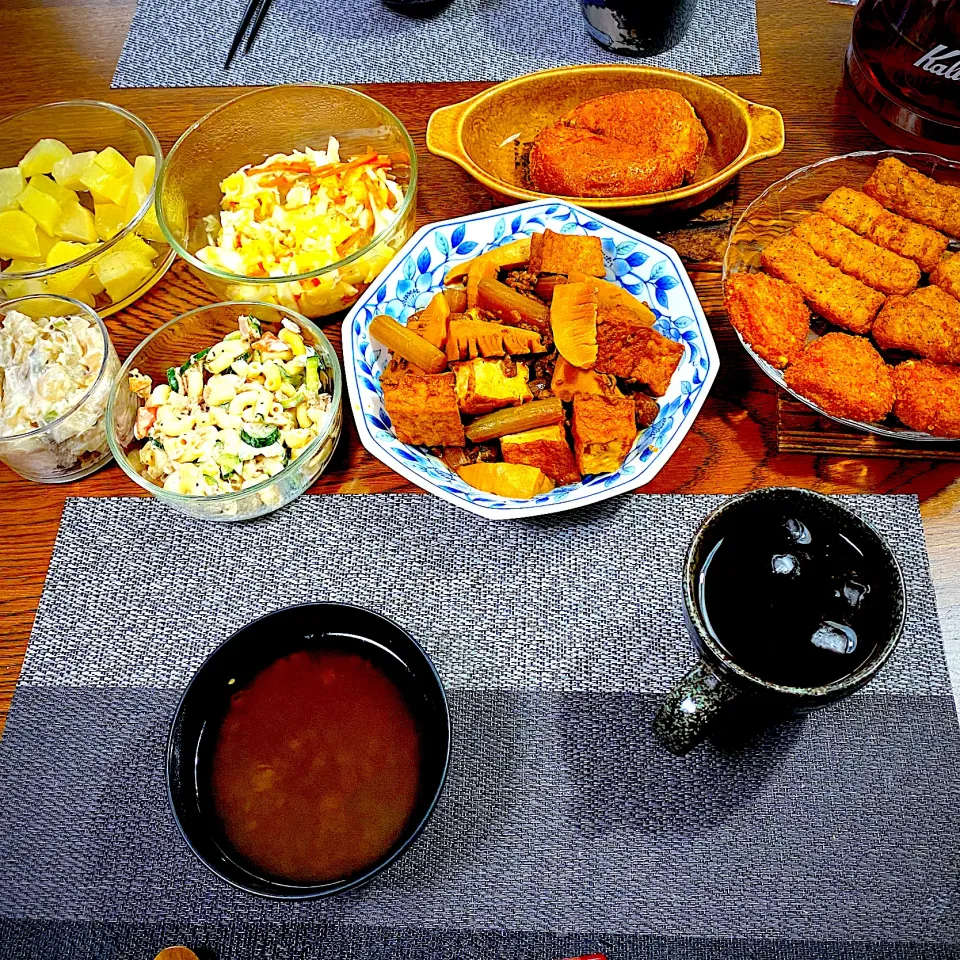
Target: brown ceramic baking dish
[{"x": 486, "y": 133}]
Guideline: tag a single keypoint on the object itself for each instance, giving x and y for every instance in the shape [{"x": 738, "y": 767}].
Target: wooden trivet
[{"x": 801, "y": 430}]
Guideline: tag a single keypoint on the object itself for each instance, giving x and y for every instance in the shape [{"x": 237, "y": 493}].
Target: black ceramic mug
[
  {"x": 696, "y": 702},
  {"x": 638, "y": 29}
]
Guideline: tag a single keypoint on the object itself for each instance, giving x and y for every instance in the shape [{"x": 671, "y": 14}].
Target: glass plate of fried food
[
  {"x": 843, "y": 283},
  {"x": 528, "y": 360}
]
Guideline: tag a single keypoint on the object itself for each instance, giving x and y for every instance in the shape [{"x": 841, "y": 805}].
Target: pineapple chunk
[
  {"x": 131, "y": 243},
  {"x": 93, "y": 284},
  {"x": 121, "y": 272},
  {"x": 46, "y": 243},
  {"x": 12, "y": 287},
  {"x": 42, "y": 207},
  {"x": 144, "y": 169},
  {"x": 149, "y": 227},
  {"x": 67, "y": 171},
  {"x": 42, "y": 156},
  {"x": 18, "y": 235},
  {"x": 45, "y": 185},
  {"x": 105, "y": 187},
  {"x": 11, "y": 186},
  {"x": 67, "y": 280},
  {"x": 109, "y": 219},
  {"x": 114, "y": 162},
  {"x": 84, "y": 296},
  {"x": 76, "y": 223}
]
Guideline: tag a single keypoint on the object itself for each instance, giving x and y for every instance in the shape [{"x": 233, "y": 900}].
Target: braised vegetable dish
[
  {"x": 872, "y": 264},
  {"x": 529, "y": 370}
]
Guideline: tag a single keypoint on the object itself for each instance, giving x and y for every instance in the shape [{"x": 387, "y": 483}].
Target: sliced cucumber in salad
[{"x": 259, "y": 434}]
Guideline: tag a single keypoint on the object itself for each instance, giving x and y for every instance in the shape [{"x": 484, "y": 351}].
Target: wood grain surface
[{"x": 63, "y": 49}]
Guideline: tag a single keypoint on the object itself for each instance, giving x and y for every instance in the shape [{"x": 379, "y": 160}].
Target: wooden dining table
[{"x": 67, "y": 49}]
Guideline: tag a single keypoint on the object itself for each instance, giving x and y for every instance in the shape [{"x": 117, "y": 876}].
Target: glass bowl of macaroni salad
[
  {"x": 57, "y": 366},
  {"x": 229, "y": 411}
]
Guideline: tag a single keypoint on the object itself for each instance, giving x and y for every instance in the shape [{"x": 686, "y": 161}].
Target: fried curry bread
[{"x": 623, "y": 144}]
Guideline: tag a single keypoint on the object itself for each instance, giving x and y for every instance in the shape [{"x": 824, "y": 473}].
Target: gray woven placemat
[
  {"x": 563, "y": 830},
  {"x": 183, "y": 43}
]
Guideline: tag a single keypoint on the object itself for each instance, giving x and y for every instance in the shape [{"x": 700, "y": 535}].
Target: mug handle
[{"x": 691, "y": 706}]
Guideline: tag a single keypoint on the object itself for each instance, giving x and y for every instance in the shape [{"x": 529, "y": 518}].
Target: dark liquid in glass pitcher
[{"x": 902, "y": 72}]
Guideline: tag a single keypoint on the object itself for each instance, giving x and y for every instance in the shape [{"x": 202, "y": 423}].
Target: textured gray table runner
[
  {"x": 183, "y": 43},
  {"x": 564, "y": 828}
]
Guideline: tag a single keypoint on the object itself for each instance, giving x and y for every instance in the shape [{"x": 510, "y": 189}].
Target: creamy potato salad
[
  {"x": 47, "y": 367},
  {"x": 299, "y": 212},
  {"x": 234, "y": 414}
]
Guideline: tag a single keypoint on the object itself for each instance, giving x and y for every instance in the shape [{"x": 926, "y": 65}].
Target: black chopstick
[
  {"x": 253, "y": 6},
  {"x": 255, "y": 29}
]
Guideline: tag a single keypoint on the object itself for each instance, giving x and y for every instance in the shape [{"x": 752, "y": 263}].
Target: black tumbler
[{"x": 638, "y": 29}]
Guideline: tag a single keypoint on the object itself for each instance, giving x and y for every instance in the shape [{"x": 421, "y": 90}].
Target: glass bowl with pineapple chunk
[
  {"x": 77, "y": 218},
  {"x": 228, "y": 412},
  {"x": 295, "y": 195}
]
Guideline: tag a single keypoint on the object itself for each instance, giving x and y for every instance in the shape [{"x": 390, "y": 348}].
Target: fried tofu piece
[
  {"x": 770, "y": 314},
  {"x": 927, "y": 322},
  {"x": 486, "y": 385},
  {"x": 604, "y": 429},
  {"x": 842, "y": 300},
  {"x": 423, "y": 409},
  {"x": 623, "y": 144},
  {"x": 928, "y": 397},
  {"x": 946, "y": 276},
  {"x": 506, "y": 479},
  {"x": 563, "y": 252},
  {"x": 431, "y": 322},
  {"x": 573, "y": 322},
  {"x": 468, "y": 338},
  {"x": 865, "y": 216},
  {"x": 858, "y": 257},
  {"x": 568, "y": 381},
  {"x": 628, "y": 348},
  {"x": 845, "y": 376},
  {"x": 907, "y": 191},
  {"x": 545, "y": 448}
]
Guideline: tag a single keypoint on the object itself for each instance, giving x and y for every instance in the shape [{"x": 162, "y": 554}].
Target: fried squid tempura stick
[
  {"x": 862, "y": 214},
  {"x": 947, "y": 276},
  {"x": 842, "y": 300},
  {"x": 860, "y": 258},
  {"x": 907, "y": 191},
  {"x": 927, "y": 323}
]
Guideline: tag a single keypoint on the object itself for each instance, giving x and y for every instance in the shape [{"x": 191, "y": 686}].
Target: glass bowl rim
[
  {"x": 120, "y": 455},
  {"x": 91, "y": 314},
  {"x": 235, "y": 278},
  {"x": 903, "y": 433},
  {"x": 137, "y": 218}
]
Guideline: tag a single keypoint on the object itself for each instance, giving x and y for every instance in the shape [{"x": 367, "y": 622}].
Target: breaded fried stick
[
  {"x": 862, "y": 214},
  {"x": 947, "y": 276},
  {"x": 860, "y": 258},
  {"x": 844, "y": 376},
  {"x": 907, "y": 191},
  {"x": 928, "y": 397},
  {"x": 770, "y": 314},
  {"x": 842, "y": 300},
  {"x": 926, "y": 323}
]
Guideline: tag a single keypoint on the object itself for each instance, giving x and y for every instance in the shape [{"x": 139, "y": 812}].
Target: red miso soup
[{"x": 315, "y": 769}]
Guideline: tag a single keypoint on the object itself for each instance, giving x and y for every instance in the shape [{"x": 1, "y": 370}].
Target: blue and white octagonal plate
[{"x": 649, "y": 270}]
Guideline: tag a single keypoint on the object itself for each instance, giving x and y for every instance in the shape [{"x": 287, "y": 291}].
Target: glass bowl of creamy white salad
[
  {"x": 228, "y": 412},
  {"x": 57, "y": 366}
]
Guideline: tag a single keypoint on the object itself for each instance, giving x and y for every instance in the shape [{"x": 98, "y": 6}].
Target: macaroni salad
[{"x": 232, "y": 415}]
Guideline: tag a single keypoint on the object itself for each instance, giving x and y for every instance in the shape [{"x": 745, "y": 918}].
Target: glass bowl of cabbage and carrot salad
[
  {"x": 227, "y": 412},
  {"x": 297, "y": 196}
]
